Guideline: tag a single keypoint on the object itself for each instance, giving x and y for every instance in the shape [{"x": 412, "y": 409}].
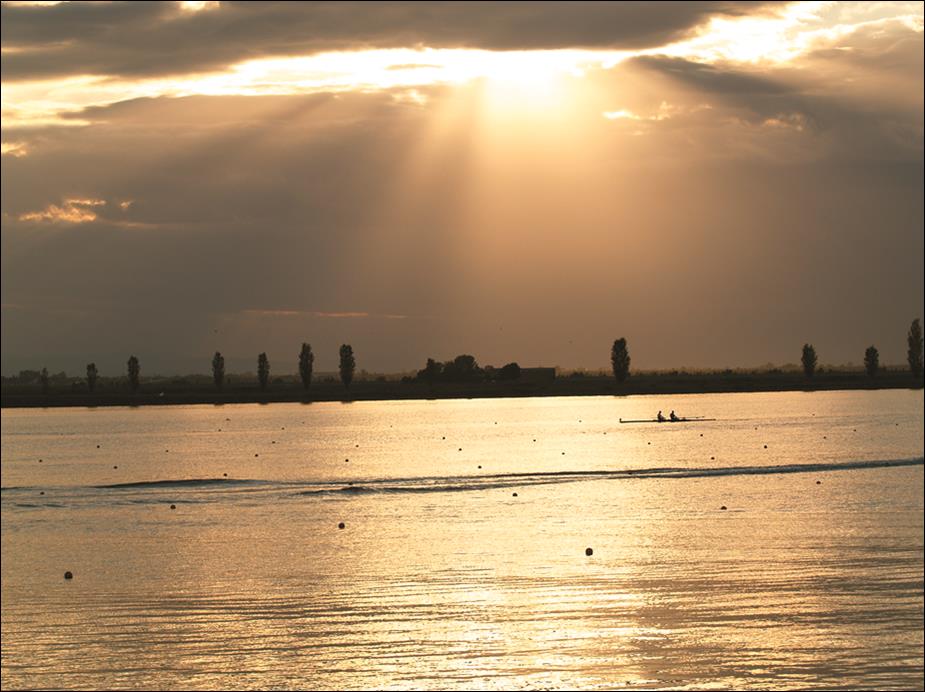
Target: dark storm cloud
[{"x": 154, "y": 38}]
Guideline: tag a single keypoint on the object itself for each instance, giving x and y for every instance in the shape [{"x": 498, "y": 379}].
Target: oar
[{"x": 700, "y": 419}]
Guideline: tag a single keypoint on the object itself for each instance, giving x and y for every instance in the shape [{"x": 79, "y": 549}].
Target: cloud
[
  {"x": 266, "y": 201},
  {"x": 155, "y": 38},
  {"x": 708, "y": 78},
  {"x": 15, "y": 149},
  {"x": 665, "y": 111},
  {"x": 321, "y": 314},
  {"x": 858, "y": 99},
  {"x": 70, "y": 211},
  {"x": 758, "y": 202},
  {"x": 84, "y": 210}
]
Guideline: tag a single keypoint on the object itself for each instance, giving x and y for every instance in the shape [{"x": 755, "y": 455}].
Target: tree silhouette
[
  {"x": 43, "y": 378},
  {"x": 91, "y": 376},
  {"x": 463, "y": 368},
  {"x": 263, "y": 370},
  {"x": 218, "y": 369},
  {"x": 511, "y": 371},
  {"x": 620, "y": 360},
  {"x": 915, "y": 349},
  {"x": 306, "y": 363},
  {"x": 347, "y": 364},
  {"x": 809, "y": 360},
  {"x": 431, "y": 371},
  {"x": 871, "y": 361},
  {"x": 134, "y": 373}
]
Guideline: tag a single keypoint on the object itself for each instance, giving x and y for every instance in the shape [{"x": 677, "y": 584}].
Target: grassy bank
[{"x": 199, "y": 390}]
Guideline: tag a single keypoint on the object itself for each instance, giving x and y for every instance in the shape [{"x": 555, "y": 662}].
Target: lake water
[{"x": 462, "y": 562}]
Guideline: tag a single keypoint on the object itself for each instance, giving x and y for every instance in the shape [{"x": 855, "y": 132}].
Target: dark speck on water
[
  {"x": 514, "y": 494},
  {"x": 723, "y": 507},
  {"x": 173, "y": 506},
  {"x": 342, "y": 525},
  {"x": 68, "y": 575},
  {"x": 589, "y": 551},
  {"x": 818, "y": 482}
]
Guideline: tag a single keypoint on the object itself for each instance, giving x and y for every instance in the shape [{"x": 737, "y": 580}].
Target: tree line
[
  {"x": 306, "y": 367},
  {"x": 872, "y": 356},
  {"x": 465, "y": 368},
  {"x": 620, "y": 357}
]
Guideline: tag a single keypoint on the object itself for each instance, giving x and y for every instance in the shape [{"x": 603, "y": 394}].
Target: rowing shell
[{"x": 668, "y": 420}]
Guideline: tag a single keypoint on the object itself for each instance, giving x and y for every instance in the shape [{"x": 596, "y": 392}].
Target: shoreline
[{"x": 170, "y": 392}]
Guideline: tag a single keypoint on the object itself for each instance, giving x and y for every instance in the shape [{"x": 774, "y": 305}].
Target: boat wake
[
  {"x": 512, "y": 480},
  {"x": 199, "y": 490}
]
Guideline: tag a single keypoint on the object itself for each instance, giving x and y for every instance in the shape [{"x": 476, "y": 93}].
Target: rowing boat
[{"x": 697, "y": 419}]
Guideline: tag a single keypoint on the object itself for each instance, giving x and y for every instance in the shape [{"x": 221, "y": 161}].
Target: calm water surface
[{"x": 462, "y": 562}]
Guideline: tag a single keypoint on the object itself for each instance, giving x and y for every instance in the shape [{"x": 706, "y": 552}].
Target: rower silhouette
[
  {"x": 674, "y": 418},
  {"x": 661, "y": 418}
]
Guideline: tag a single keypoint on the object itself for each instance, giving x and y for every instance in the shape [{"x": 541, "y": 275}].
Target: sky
[{"x": 717, "y": 182}]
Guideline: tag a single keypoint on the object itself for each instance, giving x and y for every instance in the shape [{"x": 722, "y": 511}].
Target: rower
[
  {"x": 674, "y": 418},
  {"x": 661, "y": 418}
]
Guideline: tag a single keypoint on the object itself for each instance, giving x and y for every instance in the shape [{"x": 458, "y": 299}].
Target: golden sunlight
[
  {"x": 511, "y": 77},
  {"x": 462, "y": 345},
  {"x": 374, "y": 70},
  {"x": 788, "y": 33}
]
